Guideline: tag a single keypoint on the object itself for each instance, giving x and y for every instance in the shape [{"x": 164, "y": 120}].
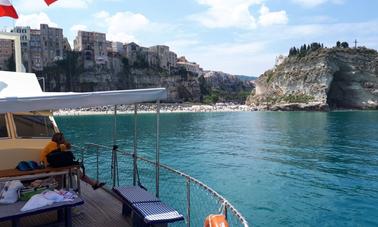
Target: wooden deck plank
[{"x": 100, "y": 209}]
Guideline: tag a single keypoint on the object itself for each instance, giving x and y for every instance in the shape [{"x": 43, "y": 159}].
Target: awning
[{"x": 20, "y": 92}]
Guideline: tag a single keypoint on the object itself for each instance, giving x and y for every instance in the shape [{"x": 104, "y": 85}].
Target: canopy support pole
[
  {"x": 114, "y": 150},
  {"x": 135, "y": 144},
  {"x": 157, "y": 146}
]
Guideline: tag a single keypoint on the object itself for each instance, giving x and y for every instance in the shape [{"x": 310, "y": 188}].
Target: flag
[
  {"x": 7, "y": 9},
  {"x": 49, "y": 2}
]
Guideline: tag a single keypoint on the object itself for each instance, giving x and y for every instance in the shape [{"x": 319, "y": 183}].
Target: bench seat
[
  {"x": 13, "y": 211},
  {"x": 147, "y": 210}
]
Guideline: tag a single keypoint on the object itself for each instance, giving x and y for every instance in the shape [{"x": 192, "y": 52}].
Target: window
[
  {"x": 33, "y": 126},
  {"x": 3, "y": 127}
]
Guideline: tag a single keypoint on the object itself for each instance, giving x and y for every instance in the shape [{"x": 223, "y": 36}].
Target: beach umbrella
[{"x": 7, "y": 9}]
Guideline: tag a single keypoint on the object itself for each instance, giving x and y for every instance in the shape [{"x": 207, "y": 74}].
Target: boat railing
[{"x": 185, "y": 193}]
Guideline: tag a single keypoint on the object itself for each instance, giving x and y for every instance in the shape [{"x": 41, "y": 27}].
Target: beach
[{"x": 151, "y": 108}]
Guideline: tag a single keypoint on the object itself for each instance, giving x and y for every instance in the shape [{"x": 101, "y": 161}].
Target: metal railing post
[
  {"x": 135, "y": 144},
  {"x": 114, "y": 150},
  {"x": 157, "y": 146},
  {"x": 225, "y": 211},
  {"x": 188, "y": 202},
  {"x": 97, "y": 172}
]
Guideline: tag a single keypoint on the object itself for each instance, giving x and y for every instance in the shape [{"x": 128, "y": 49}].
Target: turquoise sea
[{"x": 277, "y": 168}]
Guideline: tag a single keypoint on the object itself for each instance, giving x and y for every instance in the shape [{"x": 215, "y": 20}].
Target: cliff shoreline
[
  {"x": 322, "y": 79},
  {"x": 151, "y": 108}
]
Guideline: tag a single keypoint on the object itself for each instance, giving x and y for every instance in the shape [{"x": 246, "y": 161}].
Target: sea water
[{"x": 277, "y": 168}]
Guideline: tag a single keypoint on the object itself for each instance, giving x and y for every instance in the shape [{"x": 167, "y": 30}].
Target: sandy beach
[{"x": 151, "y": 108}]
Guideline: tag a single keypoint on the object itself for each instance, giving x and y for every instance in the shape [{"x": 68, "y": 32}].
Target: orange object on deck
[{"x": 216, "y": 220}]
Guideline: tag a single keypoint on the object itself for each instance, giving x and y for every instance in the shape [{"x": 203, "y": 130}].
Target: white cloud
[
  {"x": 126, "y": 26},
  {"x": 314, "y": 3},
  {"x": 34, "y": 20},
  {"x": 123, "y": 25},
  {"x": 226, "y": 14},
  {"x": 29, "y": 6},
  {"x": 234, "y": 58},
  {"x": 72, "y": 4},
  {"x": 268, "y": 18},
  {"x": 78, "y": 27}
]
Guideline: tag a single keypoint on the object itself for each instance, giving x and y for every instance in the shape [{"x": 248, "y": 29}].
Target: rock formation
[
  {"x": 182, "y": 85},
  {"x": 327, "y": 78}
]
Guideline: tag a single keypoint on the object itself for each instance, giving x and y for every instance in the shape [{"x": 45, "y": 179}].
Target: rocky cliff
[
  {"x": 327, "y": 78},
  {"x": 182, "y": 85}
]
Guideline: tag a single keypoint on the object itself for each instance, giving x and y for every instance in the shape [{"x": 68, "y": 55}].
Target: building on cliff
[
  {"x": 93, "y": 47},
  {"x": 162, "y": 56},
  {"x": 41, "y": 47},
  {"x": 6, "y": 52},
  {"x": 189, "y": 66}
]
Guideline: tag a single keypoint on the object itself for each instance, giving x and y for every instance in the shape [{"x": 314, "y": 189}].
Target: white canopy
[{"x": 21, "y": 92}]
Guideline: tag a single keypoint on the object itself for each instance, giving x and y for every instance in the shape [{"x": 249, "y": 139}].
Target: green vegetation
[
  {"x": 342, "y": 45},
  {"x": 301, "y": 98},
  {"x": 269, "y": 76},
  {"x": 127, "y": 78},
  {"x": 291, "y": 98},
  {"x": 305, "y": 49}
]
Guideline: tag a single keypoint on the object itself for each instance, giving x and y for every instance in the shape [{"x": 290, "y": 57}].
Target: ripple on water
[{"x": 291, "y": 169}]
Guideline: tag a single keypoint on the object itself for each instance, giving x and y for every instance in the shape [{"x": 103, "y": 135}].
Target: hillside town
[
  {"x": 95, "y": 63},
  {"x": 42, "y": 47}
]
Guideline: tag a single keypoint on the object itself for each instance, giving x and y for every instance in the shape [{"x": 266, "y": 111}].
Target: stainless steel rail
[{"x": 227, "y": 206}]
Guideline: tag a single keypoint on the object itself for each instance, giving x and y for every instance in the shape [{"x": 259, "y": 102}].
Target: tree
[
  {"x": 338, "y": 44},
  {"x": 344, "y": 45},
  {"x": 71, "y": 67},
  {"x": 293, "y": 51}
]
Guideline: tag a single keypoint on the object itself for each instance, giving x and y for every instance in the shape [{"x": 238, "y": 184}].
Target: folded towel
[{"x": 36, "y": 201}]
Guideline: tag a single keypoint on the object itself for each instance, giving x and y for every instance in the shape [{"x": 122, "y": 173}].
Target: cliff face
[
  {"x": 336, "y": 78},
  {"x": 181, "y": 85},
  {"x": 227, "y": 82}
]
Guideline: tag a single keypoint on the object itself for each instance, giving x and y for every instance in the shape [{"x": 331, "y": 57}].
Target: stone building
[
  {"x": 166, "y": 59},
  {"x": 66, "y": 45},
  {"x": 189, "y": 66},
  {"x": 40, "y": 48},
  {"x": 93, "y": 45},
  {"x": 51, "y": 44},
  {"x": 25, "y": 45},
  {"x": 117, "y": 47},
  {"x": 36, "y": 50},
  {"x": 6, "y": 52},
  {"x": 132, "y": 51}
]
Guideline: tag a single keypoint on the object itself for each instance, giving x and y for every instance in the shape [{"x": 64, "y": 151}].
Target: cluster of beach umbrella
[{"x": 7, "y": 9}]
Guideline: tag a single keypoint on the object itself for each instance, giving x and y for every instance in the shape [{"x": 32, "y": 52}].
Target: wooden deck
[{"x": 100, "y": 209}]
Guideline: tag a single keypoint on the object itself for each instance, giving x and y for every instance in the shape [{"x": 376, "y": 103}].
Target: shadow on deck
[{"x": 100, "y": 209}]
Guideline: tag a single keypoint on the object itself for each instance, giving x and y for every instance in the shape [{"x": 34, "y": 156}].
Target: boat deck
[{"x": 100, "y": 209}]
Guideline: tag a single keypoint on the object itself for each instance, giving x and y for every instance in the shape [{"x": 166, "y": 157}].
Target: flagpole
[{"x": 13, "y": 20}]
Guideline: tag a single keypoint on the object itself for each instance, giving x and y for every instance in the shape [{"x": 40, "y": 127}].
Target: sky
[{"x": 235, "y": 36}]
